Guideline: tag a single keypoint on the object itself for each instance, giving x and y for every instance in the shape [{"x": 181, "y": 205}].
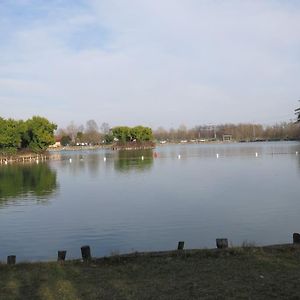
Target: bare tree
[
  {"x": 104, "y": 128},
  {"x": 92, "y": 135},
  {"x": 72, "y": 130},
  {"x": 91, "y": 125}
]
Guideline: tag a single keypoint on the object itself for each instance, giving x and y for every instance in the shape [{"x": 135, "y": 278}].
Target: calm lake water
[{"x": 127, "y": 203}]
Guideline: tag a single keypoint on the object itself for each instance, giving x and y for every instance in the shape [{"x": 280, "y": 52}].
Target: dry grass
[{"x": 237, "y": 273}]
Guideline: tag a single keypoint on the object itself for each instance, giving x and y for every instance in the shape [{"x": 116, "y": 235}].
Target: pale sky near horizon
[{"x": 150, "y": 62}]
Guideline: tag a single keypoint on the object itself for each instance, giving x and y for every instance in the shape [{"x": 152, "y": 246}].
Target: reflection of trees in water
[
  {"x": 21, "y": 180},
  {"x": 91, "y": 162},
  {"x": 132, "y": 160}
]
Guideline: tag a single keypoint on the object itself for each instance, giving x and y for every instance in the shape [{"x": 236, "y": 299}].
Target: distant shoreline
[
  {"x": 116, "y": 147},
  {"x": 49, "y": 154},
  {"x": 126, "y": 146}
]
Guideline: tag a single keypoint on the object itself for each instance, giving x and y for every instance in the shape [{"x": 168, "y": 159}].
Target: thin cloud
[{"x": 151, "y": 62}]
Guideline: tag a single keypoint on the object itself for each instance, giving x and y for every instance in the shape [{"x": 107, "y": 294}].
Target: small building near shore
[
  {"x": 57, "y": 143},
  {"x": 227, "y": 137}
]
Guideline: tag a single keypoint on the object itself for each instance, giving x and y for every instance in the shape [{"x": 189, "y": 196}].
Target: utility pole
[
  {"x": 297, "y": 113},
  {"x": 254, "y": 133}
]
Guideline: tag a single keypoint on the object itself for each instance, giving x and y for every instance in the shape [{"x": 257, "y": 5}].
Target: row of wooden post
[
  {"x": 86, "y": 250},
  {"x": 61, "y": 255},
  {"x": 25, "y": 158}
]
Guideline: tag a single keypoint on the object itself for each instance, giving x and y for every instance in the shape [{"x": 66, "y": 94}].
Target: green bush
[{"x": 35, "y": 134}]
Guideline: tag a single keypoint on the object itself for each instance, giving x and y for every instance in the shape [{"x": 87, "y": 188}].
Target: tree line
[
  {"x": 34, "y": 135},
  {"x": 236, "y": 132},
  {"x": 92, "y": 134},
  {"x": 37, "y": 134}
]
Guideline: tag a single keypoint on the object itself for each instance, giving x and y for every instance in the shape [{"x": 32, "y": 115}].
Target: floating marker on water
[
  {"x": 217, "y": 155},
  {"x": 256, "y": 154},
  {"x": 179, "y": 156},
  {"x": 70, "y": 160},
  {"x": 142, "y": 157},
  {"x": 296, "y": 152},
  {"x": 104, "y": 158}
]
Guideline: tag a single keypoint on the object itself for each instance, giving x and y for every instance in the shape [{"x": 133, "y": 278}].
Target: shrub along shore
[
  {"x": 271, "y": 272},
  {"x": 32, "y": 136}
]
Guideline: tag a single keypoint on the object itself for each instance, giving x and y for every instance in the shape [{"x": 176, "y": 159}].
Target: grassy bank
[{"x": 237, "y": 273}]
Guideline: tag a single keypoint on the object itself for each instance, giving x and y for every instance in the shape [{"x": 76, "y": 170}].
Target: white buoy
[
  {"x": 70, "y": 160},
  {"x": 296, "y": 152},
  {"x": 217, "y": 155},
  {"x": 142, "y": 157},
  {"x": 256, "y": 154},
  {"x": 179, "y": 156},
  {"x": 104, "y": 158}
]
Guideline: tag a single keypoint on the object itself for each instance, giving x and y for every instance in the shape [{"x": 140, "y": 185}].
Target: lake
[{"x": 120, "y": 202}]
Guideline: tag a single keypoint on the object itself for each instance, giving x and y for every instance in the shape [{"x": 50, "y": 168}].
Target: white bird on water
[
  {"x": 142, "y": 157},
  {"x": 179, "y": 156},
  {"x": 104, "y": 158},
  {"x": 217, "y": 155},
  {"x": 70, "y": 160},
  {"x": 256, "y": 154}
]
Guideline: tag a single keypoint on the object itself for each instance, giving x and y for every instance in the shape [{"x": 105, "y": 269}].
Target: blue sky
[{"x": 150, "y": 62}]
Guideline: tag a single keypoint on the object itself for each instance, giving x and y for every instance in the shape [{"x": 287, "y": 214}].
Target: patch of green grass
[{"x": 235, "y": 273}]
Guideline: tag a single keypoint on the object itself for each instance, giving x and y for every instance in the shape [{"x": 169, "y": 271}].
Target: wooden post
[
  {"x": 61, "y": 255},
  {"x": 296, "y": 238},
  {"x": 222, "y": 243},
  {"x": 180, "y": 245},
  {"x": 11, "y": 260},
  {"x": 86, "y": 253}
]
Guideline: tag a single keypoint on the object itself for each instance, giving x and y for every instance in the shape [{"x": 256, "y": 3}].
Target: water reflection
[
  {"x": 23, "y": 180},
  {"x": 92, "y": 162},
  {"x": 135, "y": 160},
  {"x": 240, "y": 150},
  {"x": 196, "y": 198}
]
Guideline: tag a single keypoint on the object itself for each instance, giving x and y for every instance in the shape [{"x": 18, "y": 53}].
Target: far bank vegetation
[
  {"x": 235, "y": 132},
  {"x": 92, "y": 134}
]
